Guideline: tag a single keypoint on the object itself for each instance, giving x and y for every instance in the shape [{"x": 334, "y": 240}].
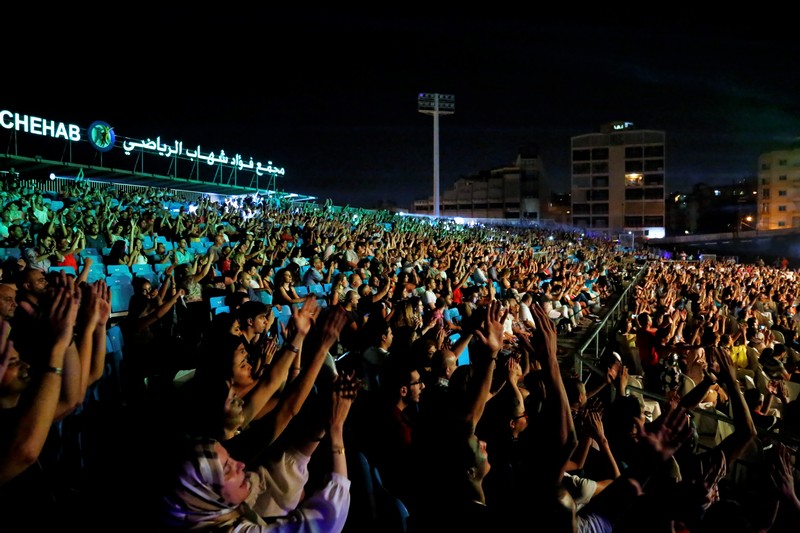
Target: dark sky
[{"x": 332, "y": 97}]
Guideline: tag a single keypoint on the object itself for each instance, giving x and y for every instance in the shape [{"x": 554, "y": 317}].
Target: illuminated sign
[
  {"x": 101, "y": 136},
  {"x": 622, "y": 125},
  {"x": 39, "y": 126},
  {"x": 169, "y": 150}
]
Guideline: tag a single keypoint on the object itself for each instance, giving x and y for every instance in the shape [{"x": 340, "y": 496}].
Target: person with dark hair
[
  {"x": 209, "y": 490},
  {"x": 151, "y": 351},
  {"x": 376, "y": 355},
  {"x": 646, "y": 344}
]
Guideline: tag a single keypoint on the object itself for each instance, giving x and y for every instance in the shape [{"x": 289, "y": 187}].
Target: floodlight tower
[{"x": 436, "y": 104}]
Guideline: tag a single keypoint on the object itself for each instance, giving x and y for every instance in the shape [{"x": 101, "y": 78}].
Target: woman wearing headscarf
[{"x": 214, "y": 492}]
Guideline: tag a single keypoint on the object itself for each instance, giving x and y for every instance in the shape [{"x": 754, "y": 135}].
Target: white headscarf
[{"x": 196, "y": 500}]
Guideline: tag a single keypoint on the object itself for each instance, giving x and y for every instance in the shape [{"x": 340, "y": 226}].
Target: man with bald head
[{"x": 8, "y": 300}]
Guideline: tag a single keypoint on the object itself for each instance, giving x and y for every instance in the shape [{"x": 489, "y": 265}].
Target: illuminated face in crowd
[
  {"x": 242, "y": 370},
  {"x": 414, "y": 388},
  {"x": 8, "y": 301}
]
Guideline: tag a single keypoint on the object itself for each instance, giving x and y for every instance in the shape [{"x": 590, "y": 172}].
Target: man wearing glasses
[{"x": 392, "y": 451}]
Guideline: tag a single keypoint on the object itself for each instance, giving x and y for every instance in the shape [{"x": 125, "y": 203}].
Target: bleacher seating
[
  {"x": 119, "y": 270},
  {"x": 216, "y": 301},
  {"x": 5, "y": 253},
  {"x": 120, "y": 298},
  {"x": 148, "y": 272},
  {"x": 264, "y": 296},
  {"x": 301, "y": 290},
  {"x": 68, "y": 269}
]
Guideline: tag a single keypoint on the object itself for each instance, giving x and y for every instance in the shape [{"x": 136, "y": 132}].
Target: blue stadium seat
[
  {"x": 68, "y": 269},
  {"x": 114, "y": 339},
  {"x": 301, "y": 290},
  {"x": 120, "y": 298},
  {"x": 265, "y": 297},
  {"x": 119, "y": 270},
  {"x": 216, "y": 301},
  {"x": 10, "y": 252},
  {"x": 142, "y": 269}
]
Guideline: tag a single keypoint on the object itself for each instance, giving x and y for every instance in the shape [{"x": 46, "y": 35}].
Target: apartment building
[
  {"x": 515, "y": 192},
  {"x": 618, "y": 181},
  {"x": 779, "y": 190}
]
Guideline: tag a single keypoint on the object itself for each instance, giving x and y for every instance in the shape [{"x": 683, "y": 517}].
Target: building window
[
  {"x": 764, "y": 181},
  {"x": 781, "y": 223},
  {"x": 765, "y": 193},
  {"x": 633, "y": 222},
  {"x": 599, "y": 154},
  {"x": 634, "y": 194},
  {"x": 654, "y": 165},
  {"x": 781, "y": 208},
  {"x": 581, "y": 155},
  {"x": 633, "y": 152},
  {"x": 654, "y": 151},
  {"x": 655, "y": 193},
  {"x": 654, "y": 179},
  {"x": 781, "y": 193},
  {"x": 654, "y": 221},
  {"x": 581, "y": 182},
  {"x": 581, "y": 222},
  {"x": 600, "y": 167},
  {"x": 580, "y": 209},
  {"x": 580, "y": 168},
  {"x": 634, "y": 166},
  {"x": 599, "y": 195},
  {"x": 781, "y": 178},
  {"x": 600, "y": 181},
  {"x": 782, "y": 162},
  {"x": 633, "y": 180},
  {"x": 600, "y": 209},
  {"x": 601, "y": 222}
]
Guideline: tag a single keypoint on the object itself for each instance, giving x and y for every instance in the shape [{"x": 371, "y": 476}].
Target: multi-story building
[
  {"x": 618, "y": 181},
  {"x": 779, "y": 189},
  {"x": 517, "y": 192}
]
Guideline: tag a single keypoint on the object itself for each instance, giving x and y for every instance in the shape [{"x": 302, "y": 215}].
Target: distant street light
[{"x": 436, "y": 104}]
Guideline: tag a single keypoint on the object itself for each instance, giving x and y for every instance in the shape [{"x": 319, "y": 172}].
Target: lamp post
[{"x": 436, "y": 104}]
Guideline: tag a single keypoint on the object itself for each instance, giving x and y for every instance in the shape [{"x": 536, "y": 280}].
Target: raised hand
[
  {"x": 781, "y": 471},
  {"x": 344, "y": 391},
  {"x": 332, "y": 326},
  {"x": 490, "y": 332},
  {"x": 268, "y": 349},
  {"x": 514, "y": 370},
  {"x": 544, "y": 337},
  {"x": 303, "y": 318},
  {"x": 63, "y": 313},
  {"x": 668, "y": 433}
]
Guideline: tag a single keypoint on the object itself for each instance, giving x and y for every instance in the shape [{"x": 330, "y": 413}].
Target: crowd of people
[{"x": 353, "y": 343}]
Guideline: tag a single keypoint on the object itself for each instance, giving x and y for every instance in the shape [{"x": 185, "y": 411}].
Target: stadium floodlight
[{"x": 436, "y": 104}]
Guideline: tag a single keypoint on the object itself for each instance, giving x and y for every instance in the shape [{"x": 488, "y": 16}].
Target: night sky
[{"x": 332, "y": 97}]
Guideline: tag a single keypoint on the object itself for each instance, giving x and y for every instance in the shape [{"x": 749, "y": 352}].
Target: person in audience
[
  {"x": 32, "y": 399},
  {"x": 213, "y": 491},
  {"x": 255, "y": 393}
]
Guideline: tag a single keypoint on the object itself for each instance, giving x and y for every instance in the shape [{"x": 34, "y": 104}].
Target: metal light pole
[{"x": 436, "y": 104}]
